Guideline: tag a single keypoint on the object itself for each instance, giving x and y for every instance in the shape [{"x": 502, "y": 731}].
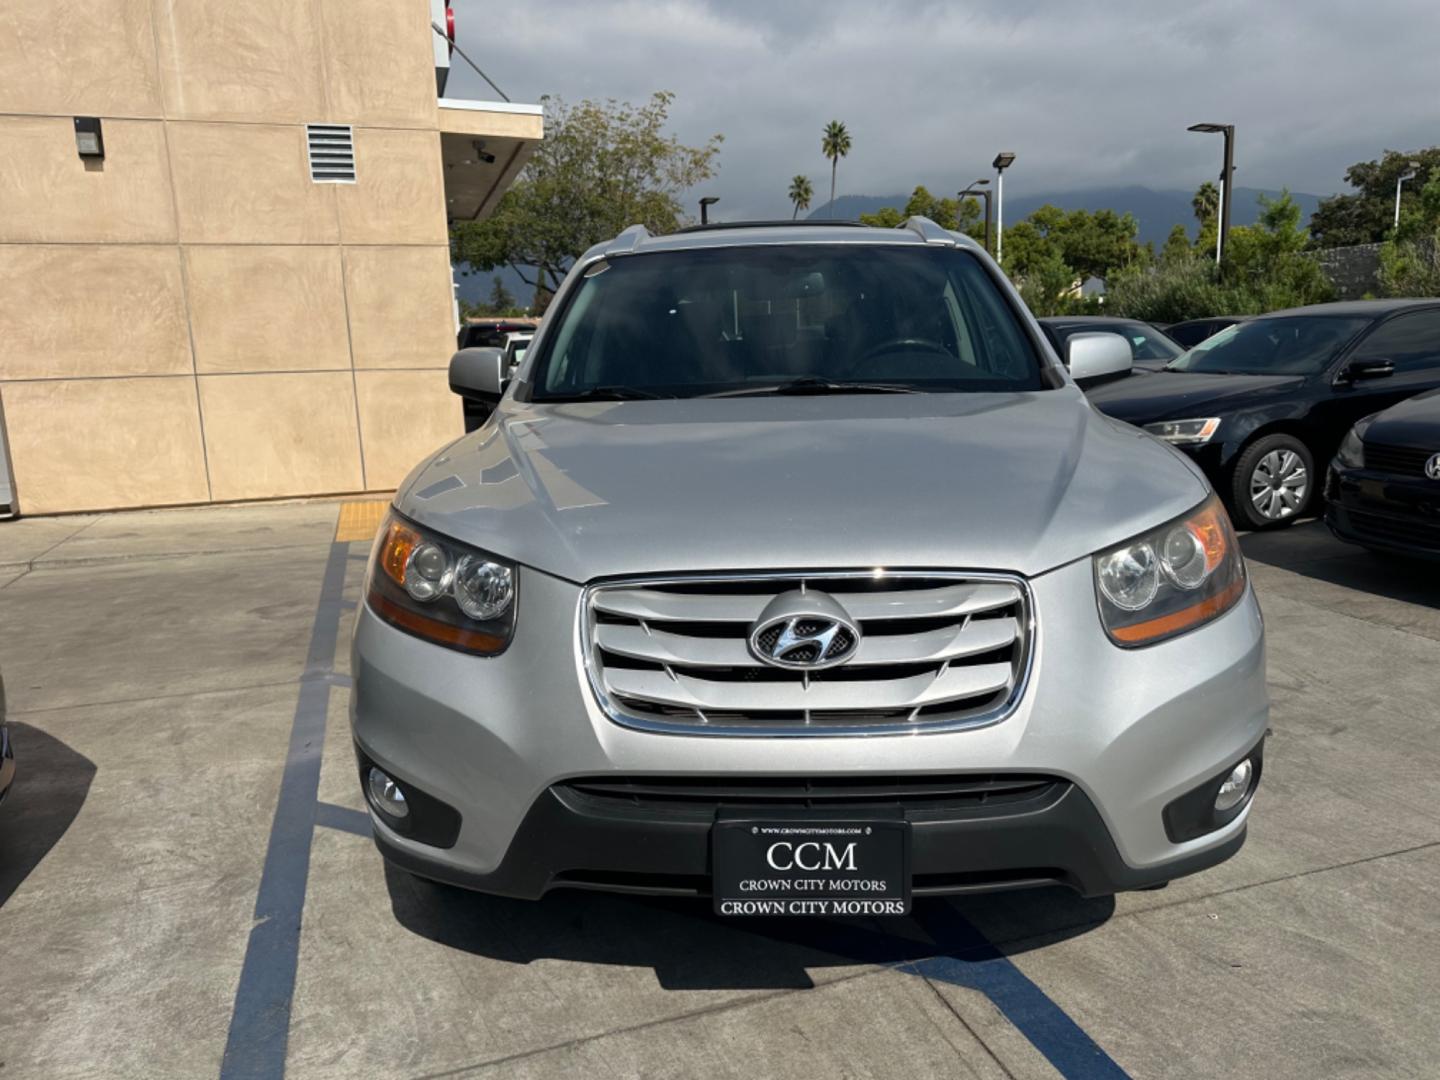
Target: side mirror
[
  {"x": 1357, "y": 370},
  {"x": 479, "y": 374},
  {"x": 1091, "y": 355}
]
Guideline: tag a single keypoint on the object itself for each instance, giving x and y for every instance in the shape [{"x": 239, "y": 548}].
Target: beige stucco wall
[{"x": 194, "y": 319}]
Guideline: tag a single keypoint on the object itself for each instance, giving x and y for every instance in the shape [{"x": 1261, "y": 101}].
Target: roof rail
[
  {"x": 928, "y": 231},
  {"x": 778, "y": 223},
  {"x": 627, "y": 240}
]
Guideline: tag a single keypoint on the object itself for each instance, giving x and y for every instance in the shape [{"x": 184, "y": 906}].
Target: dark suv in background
[{"x": 1263, "y": 404}]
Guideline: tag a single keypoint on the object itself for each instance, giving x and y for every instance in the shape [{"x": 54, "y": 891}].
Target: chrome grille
[{"x": 937, "y": 652}]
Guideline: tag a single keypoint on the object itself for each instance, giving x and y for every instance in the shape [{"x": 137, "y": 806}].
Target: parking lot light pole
[
  {"x": 1414, "y": 165},
  {"x": 977, "y": 190},
  {"x": 1003, "y": 161},
  {"x": 705, "y": 204},
  {"x": 1227, "y": 180}
]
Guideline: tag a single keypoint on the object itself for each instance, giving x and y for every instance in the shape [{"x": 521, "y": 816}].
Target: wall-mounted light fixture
[{"x": 88, "y": 139}]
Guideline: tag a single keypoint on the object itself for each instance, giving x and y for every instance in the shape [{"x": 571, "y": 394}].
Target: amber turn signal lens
[
  {"x": 1177, "y": 621},
  {"x": 400, "y": 540}
]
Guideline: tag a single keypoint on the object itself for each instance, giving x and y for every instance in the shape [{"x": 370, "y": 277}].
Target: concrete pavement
[{"x": 159, "y": 666}]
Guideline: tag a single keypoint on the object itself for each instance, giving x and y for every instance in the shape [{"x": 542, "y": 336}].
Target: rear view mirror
[
  {"x": 1092, "y": 355},
  {"x": 1367, "y": 369},
  {"x": 479, "y": 373}
]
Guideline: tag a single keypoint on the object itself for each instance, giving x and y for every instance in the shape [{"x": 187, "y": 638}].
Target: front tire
[{"x": 1273, "y": 482}]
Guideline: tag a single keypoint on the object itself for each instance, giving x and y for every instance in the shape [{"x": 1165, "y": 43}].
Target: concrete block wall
[{"x": 194, "y": 319}]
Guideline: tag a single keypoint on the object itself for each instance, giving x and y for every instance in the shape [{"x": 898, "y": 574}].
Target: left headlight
[
  {"x": 1171, "y": 579},
  {"x": 1186, "y": 432},
  {"x": 441, "y": 590},
  {"x": 1352, "y": 448}
]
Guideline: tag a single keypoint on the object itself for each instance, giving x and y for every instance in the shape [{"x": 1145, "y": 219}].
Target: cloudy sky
[{"x": 1086, "y": 92}]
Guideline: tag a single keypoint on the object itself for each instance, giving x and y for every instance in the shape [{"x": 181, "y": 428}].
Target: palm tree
[
  {"x": 1206, "y": 202},
  {"x": 834, "y": 144},
  {"x": 801, "y": 192}
]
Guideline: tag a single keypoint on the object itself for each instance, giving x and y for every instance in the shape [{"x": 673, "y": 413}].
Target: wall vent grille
[{"x": 332, "y": 153}]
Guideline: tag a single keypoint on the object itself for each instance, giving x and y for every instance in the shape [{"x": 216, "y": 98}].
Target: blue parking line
[
  {"x": 260, "y": 1021},
  {"x": 970, "y": 960}
]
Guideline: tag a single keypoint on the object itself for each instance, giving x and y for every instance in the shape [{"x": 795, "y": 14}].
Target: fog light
[
  {"x": 1235, "y": 787},
  {"x": 386, "y": 794}
]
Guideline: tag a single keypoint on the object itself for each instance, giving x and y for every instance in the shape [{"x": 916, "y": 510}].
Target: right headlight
[
  {"x": 1171, "y": 579},
  {"x": 1186, "y": 432},
  {"x": 440, "y": 589}
]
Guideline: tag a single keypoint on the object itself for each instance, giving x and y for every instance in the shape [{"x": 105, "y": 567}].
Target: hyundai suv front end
[{"x": 793, "y": 570}]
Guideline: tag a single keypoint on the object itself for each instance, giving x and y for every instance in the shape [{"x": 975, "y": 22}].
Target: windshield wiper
[
  {"x": 608, "y": 393},
  {"x": 812, "y": 385}
]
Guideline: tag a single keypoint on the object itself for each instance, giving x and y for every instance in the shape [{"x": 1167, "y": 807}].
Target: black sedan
[
  {"x": 1149, "y": 345},
  {"x": 1383, "y": 488},
  {"x": 1260, "y": 403},
  {"x": 1191, "y": 332}
]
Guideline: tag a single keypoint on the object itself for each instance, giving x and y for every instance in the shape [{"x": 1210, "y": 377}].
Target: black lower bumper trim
[
  {"x": 565, "y": 843},
  {"x": 7, "y": 755},
  {"x": 1387, "y": 513}
]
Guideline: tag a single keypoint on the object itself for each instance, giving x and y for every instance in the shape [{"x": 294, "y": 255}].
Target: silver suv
[{"x": 791, "y": 569}]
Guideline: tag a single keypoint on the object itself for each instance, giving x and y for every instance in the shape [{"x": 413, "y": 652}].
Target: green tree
[
  {"x": 834, "y": 144},
  {"x": 1177, "y": 245},
  {"x": 1367, "y": 214},
  {"x": 801, "y": 192},
  {"x": 500, "y": 302},
  {"x": 1206, "y": 203},
  {"x": 1052, "y": 252},
  {"x": 1410, "y": 257},
  {"x": 602, "y": 167},
  {"x": 1266, "y": 268},
  {"x": 1089, "y": 243},
  {"x": 1182, "y": 287},
  {"x": 957, "y": 214}
]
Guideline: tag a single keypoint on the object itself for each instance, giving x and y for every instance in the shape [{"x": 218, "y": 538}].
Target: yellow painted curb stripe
[{"x": 359, "y": 520}]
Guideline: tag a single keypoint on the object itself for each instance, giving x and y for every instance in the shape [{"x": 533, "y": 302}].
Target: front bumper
[
  {"x": 1383, "y": 511},
  {"x": 1123, "y": 733},
  {"x": 570, "y": 840}
]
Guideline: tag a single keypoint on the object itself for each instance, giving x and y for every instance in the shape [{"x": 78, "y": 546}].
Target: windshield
[
  {"x": 1300, "y": 345},
  {"x": 803, "y": 318}
]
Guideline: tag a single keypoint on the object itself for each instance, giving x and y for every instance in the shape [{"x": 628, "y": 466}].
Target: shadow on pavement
[
  {"x": 690, "y": 948},
  {"x": 1310, "y": 549},
  {"x": 51, "y": 783}
]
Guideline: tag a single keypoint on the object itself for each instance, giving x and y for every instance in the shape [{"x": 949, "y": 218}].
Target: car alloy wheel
[
  {"x": 1272, "y": 482},
  {"x": 1279, "y": 484}
]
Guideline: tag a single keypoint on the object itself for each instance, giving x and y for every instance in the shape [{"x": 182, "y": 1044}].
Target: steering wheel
[
  {"x": 907, "y": 344},
  {"x": 856, "y": 368}
]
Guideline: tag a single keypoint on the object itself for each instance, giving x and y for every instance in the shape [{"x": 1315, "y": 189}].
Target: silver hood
[{"x": 1023, "y": 482}]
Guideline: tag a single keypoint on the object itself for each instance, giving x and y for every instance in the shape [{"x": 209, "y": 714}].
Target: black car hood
[
  {"x": 1413, "y": 423},
  {"x": 1178, "y": 395}
]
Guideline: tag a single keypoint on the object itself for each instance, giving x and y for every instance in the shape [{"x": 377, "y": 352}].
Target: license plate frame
[{"x": 809, "y": 865}]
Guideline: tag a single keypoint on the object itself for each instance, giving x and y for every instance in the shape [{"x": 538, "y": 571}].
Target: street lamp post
[
  {"x": 1003, "y": 161},
  {"x": 1227, "y": 179},
  {"x": 1400, "y": 180},
  {"x": 705, "y": 204},
  {"x": 978, "y": 189}
]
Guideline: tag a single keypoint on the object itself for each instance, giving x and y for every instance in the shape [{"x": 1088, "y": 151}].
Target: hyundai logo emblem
[
  {"x": 1432, "y": 467},
  {"x": 804, "y": 630}
]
